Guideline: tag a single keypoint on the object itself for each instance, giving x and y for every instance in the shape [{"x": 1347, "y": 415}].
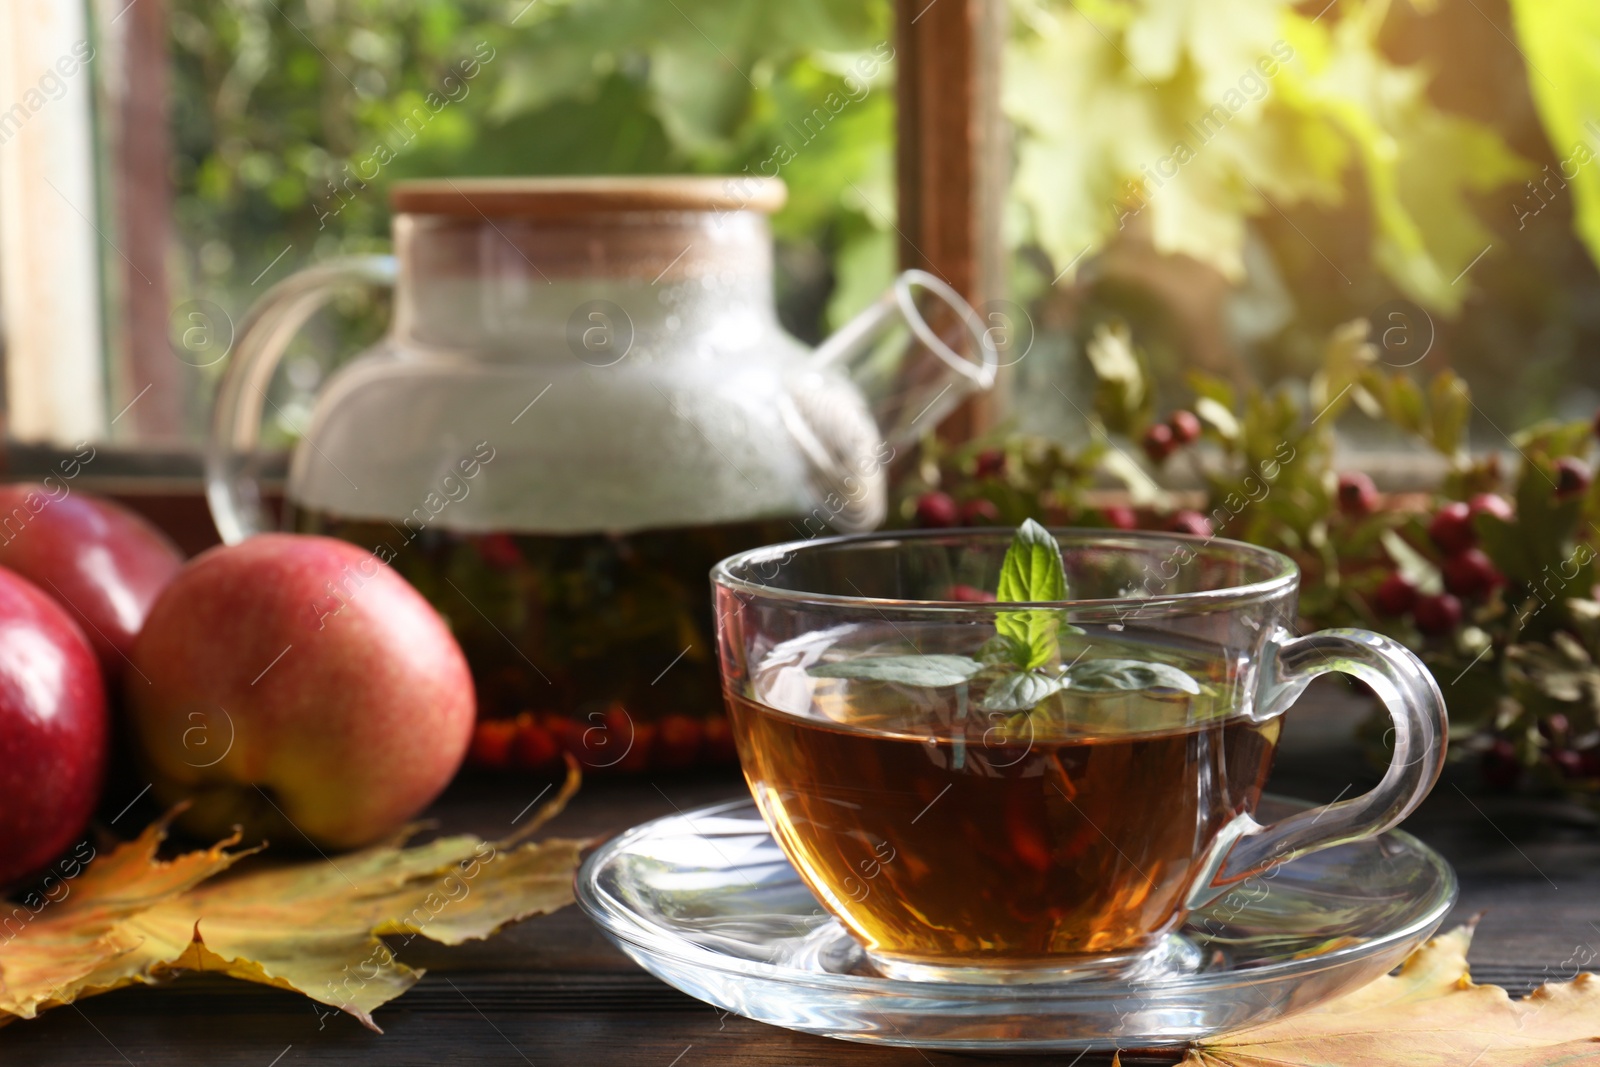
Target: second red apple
[{"x": 298, "y": 687}]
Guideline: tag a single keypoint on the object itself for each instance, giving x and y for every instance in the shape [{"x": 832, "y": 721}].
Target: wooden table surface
[{"x": 552, "y": 991}]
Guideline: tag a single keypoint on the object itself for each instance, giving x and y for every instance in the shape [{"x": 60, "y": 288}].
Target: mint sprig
[{"x": 1021, "y": 664}]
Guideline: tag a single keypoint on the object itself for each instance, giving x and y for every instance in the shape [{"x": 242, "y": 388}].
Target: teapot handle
[
  {"x": 906, "y": 395},
  {"x": 264, "y": 334}
]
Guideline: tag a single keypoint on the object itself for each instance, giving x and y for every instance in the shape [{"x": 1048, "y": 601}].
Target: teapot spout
[{"x": 915, "y": 355}]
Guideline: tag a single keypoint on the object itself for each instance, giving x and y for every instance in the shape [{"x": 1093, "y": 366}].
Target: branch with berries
[{"x": 1490, "y": 578}]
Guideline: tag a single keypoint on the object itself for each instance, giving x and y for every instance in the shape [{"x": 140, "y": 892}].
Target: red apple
[
  {"x": 105, "y": 563},
  {"x": 53, "y": 729},
  {"x": 300, "y": 688}
]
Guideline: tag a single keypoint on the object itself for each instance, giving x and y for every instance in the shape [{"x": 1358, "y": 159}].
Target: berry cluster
[
  {"x": 1572, "y": 758},
  {"x": 607, "y": 741},
  {"x": 1164, "y": 438},
  {"x": 1467, "y": 573},
  {"x": 938, "y": 510}
]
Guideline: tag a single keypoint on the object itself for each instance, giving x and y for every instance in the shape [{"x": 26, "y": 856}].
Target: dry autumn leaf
[
  {"x": 85, "y": 940},
  {"x": 312, "y": 927},
  {"x": 1430, "y": 1014}
]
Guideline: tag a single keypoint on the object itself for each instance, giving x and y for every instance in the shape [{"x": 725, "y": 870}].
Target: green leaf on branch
[
  {"x": 1451, "y": 406},
  {"x": 1122, "y": 396},
  {"x": 1558, "y": 38},
  {"x": 1413, "y": 566}
]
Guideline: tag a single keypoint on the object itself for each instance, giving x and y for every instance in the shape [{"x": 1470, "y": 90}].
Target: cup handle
[
  {"x": 265, "y": 332},
  {"x": 1407, "y": 691}
]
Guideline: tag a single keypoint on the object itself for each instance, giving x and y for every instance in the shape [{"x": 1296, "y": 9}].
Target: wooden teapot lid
[{"x": 561, "y": 198}]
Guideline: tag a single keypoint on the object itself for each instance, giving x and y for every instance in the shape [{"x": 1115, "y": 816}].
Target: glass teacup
[{"x": 969, "y": 815}]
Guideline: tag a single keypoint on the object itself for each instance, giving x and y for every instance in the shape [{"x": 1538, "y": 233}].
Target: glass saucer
[{"x": 707, "y": 902}]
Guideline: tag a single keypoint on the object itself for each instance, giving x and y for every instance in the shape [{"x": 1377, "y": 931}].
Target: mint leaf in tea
[{"x": 1019, "y": 666}]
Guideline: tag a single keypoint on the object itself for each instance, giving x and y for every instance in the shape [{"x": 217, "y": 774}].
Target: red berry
[
  {"x": 1358, "y": 497},
  {"x": 491, "y": 743},
  {"x": 566, "y": 732},
  {"x": 1185, "y": 427},
  {"x": 1491, "y": 504},
  {"x": 1568, "y": 762},
  {"x": 535, "y": 748},
  {"x": 614, "y": 733},
  {"x": 640, "y": 754},
  {"x": 719, "y": 741},
  {"x": 500, "y": 551},
  {"x": 1554, "y": 728},
  {"x": 1500, "y": 766},
  {"x": 1120, "y": 518},
  {"x": 991, "y": 461},
  {"x": 1572, "y": 476},
  {"x": 980, "y": 512},
  {"x": 1190, "y": 522},
  {"x": 971, "y": 594},
  {"x": 1469, "y": 573},
  {"x": 937, "y": 510},
  {"x": 1437, "y": 614},
  {"x": 1158, "y": 442},
  {"x": 1395, "y": 596},
  {"x": 1451, "y": 528},
  {"x": 677, "y": 741}
]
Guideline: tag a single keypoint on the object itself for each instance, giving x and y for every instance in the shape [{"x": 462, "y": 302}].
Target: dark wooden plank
[{"x": 416, "y": 1038}]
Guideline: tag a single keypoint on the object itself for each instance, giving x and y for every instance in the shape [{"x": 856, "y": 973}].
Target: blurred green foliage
[
  {"x": 285, "y": 112},
  {"x": 1199, "y": 116},
  {"x": 1329, "y": 158}
]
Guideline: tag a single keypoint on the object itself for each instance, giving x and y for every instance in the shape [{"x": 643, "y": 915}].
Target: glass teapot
[{"x": 584, "y": 401}]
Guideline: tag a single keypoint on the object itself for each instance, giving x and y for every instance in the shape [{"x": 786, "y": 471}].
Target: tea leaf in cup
[
  {"x": 930, "y": 672},
  {"x": 1107, "y": 675},
  {"x": 1021, "y": 690},
  {"x": 1025, "y": 641},
  {"x": 1003, "y": 651}
]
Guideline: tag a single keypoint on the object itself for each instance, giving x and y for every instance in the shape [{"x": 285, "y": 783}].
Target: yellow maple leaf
[
  {"x": 80, "y": 941},
  {"x": 1430, "y": 1014},
  {"x": 313, "y": 927}
]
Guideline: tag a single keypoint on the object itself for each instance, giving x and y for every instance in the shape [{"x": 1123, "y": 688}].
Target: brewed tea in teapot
[{"x": 583, "y": 402}]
